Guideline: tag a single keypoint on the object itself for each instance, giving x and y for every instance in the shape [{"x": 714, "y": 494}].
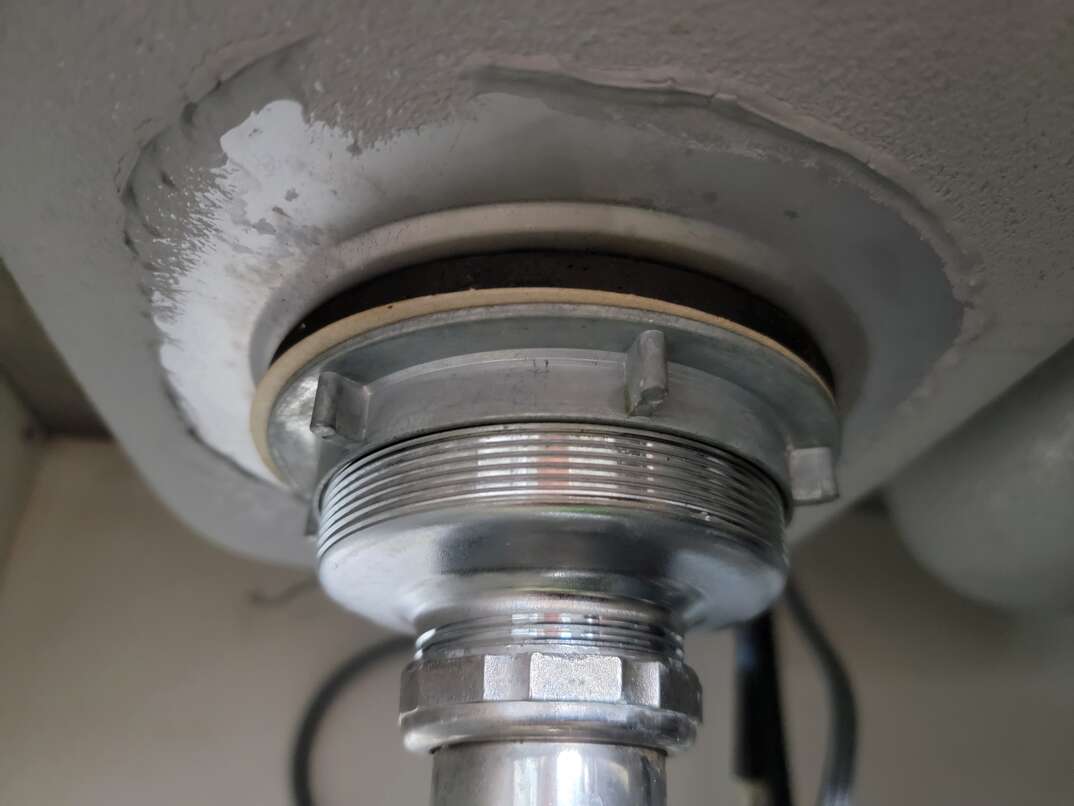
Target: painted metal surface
[
  {"x": 988, "y": 510},
  {"x": 967, "y": 112},
  {"x": 244, "y": 238}
]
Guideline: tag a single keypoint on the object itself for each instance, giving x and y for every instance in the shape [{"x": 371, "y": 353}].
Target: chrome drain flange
[{"x": 550, "y": 485}]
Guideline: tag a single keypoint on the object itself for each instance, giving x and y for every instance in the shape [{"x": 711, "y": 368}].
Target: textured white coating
[
  {"x": 973, "y": 103},
  {"x": 283, "y": 183}
]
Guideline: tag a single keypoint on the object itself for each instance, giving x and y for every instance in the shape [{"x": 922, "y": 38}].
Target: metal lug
[
  {"x": 339, "y": 409},
  {"x": 646, "y": 374},
  {"x": 812, "y": 474}
]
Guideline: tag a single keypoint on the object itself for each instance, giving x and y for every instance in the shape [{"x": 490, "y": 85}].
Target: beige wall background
[
  {"x": 140, "y": 665},
  {"x": 21, "y": 443}
]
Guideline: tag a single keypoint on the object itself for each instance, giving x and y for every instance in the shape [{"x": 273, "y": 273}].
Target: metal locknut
[{"x": 661, "y": 683}]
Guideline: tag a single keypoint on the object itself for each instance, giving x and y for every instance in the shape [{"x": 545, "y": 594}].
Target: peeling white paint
[
  {"x": 291, "y": 185},
  {"x": 287, "y": 186},
  {"x": 973, "y": 113}
]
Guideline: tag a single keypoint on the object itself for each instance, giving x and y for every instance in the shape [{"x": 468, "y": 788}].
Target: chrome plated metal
[
  {"x": 552, "y": 568},
  {"x": 550, "y": 492},
  {"x": 549, "y": 774},
  {"x": 573, "y": 700},
  {"x": 812, "y": 472},
  {"x": 544, "y": 360},
  {"x": 573, "y": 667},
  {"x": 456, "y": 517},
  {"x": 646, "y": 373}
]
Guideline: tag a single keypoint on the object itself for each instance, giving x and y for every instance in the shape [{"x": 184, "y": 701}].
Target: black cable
[
  {"x": 838, "y": 777},
  {"x": 760, "y": 755},
  {"x": 320, "y": 703}
]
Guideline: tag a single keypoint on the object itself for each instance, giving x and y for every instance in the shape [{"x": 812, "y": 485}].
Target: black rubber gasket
[{"x": 580, "y": 270}]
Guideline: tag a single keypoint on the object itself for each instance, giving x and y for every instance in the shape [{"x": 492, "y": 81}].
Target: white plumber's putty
[{"x": 287, "y": 185}]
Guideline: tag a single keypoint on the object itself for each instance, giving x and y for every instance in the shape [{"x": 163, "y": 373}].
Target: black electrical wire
[
  {"x": 838, "y": 778},
  {"x": 760, "y": 755},
  {"x": 760, "y": 751},
  {"x": 320, "y": 703}
]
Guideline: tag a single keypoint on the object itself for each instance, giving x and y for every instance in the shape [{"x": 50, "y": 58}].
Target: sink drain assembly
[{"x": 550, "y": 465}]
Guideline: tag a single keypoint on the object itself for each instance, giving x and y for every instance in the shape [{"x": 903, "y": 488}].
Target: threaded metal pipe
[
  {"x": 550, "y": 486},
  {"x": 534, "y": 639},
  {"x": 570, "y": 667},
  {"x": 565, "y": 465},
  {"x": 571, "y": 627}
]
